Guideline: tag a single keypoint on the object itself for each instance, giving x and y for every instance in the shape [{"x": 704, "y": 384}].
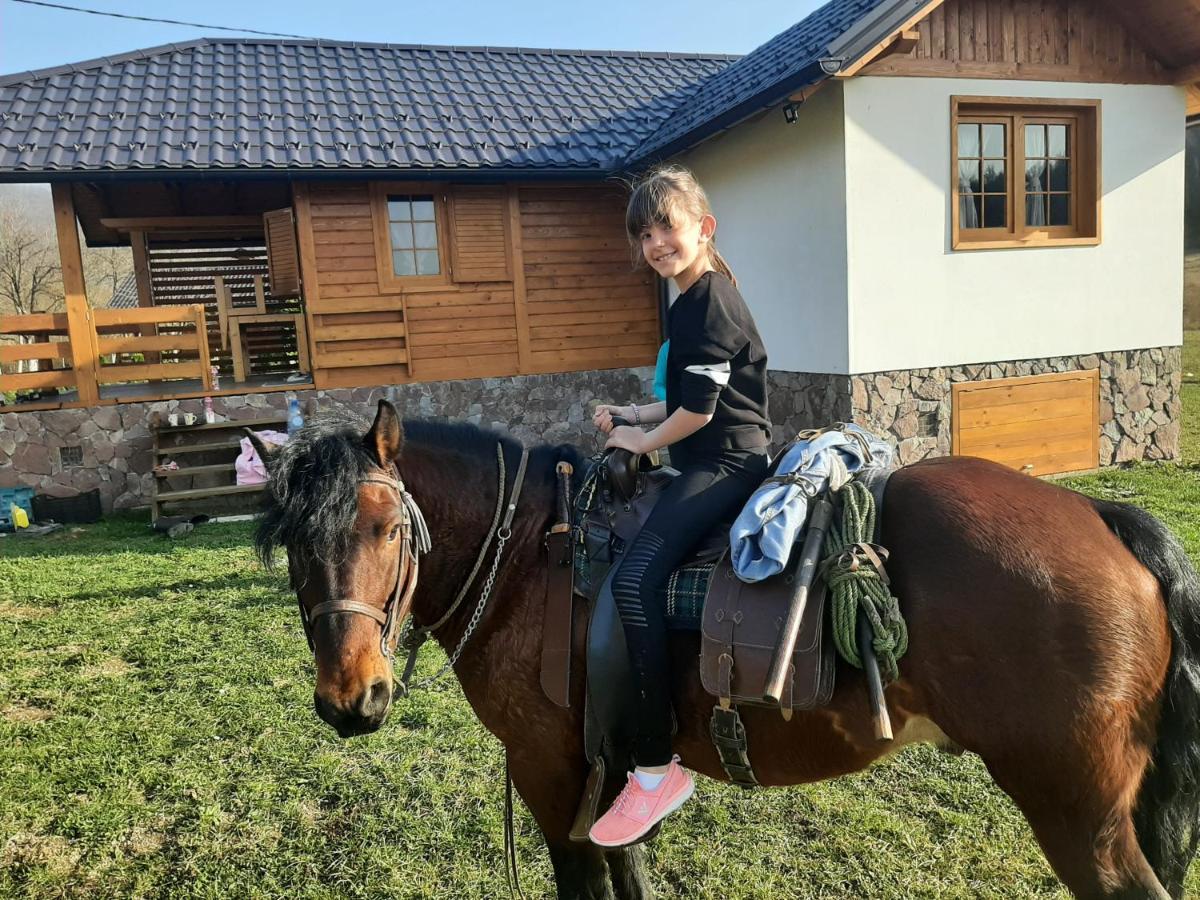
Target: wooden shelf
[
  {"x": 223, "y": 440},
  {"x": 196, "y": 470},
  {"x": 197, "y": 493},
  {"x": 229, "y": 423}
]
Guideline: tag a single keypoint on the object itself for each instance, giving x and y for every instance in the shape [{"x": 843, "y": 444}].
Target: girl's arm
[
  {"x": 677, "y": 426},
  {"x": 650, "y": 414}
]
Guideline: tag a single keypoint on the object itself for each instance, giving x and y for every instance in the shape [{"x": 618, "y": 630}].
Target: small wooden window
[
  {"x": 1025, "y": 173},
  {"x": 410, "y": 229}
]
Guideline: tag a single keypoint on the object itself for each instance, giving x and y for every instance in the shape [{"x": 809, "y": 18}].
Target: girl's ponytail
[
  {"x": 656, "y": 195},
  {"x": 718, "y": 263}
]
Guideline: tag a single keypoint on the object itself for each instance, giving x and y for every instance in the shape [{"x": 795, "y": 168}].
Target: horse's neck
[{"x": 459, "y": 504}]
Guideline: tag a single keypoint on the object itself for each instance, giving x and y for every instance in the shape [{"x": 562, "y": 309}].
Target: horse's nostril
[{"x": 375, "y": 699}]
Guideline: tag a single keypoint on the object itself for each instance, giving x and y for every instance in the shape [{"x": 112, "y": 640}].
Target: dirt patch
[
  {"x": 112, "y": 667},
  {"x": 23, "y": 713},
  {"x": 40, "y": 851},
  {"x": 144, "y": 842},
  {"x": 14, "y": 612}
]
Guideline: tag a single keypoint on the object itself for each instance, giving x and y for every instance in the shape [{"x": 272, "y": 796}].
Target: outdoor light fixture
[{"x": 789, "y": 113}]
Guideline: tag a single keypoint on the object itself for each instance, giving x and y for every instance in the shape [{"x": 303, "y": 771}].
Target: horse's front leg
[
  {"x": 551, "y": 787},
  {"x": 627, "y": 870}
]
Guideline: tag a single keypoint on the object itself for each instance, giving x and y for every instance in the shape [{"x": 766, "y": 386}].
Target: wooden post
[
  {"x": 309, "y": 290},
  {"x": 516, "y": 257},
  {"x": 80, "y": 327},
  {"x": 141, "y": 274}
]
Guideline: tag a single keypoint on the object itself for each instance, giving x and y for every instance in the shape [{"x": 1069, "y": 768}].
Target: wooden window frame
[
  {"x": 389, "y": 281},
  {"x": 1083, "y": 117}
]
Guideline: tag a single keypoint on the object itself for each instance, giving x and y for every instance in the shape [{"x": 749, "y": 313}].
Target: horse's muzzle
[{"x": 362, "y": 716}]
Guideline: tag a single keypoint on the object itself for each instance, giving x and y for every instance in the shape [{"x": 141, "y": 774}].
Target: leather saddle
[{"x": 739, "y": 626}]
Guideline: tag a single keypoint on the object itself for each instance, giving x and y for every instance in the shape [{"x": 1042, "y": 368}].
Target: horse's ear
[
  {"x": 385, "y": 440},
  {"x": 266, "y": 452}
]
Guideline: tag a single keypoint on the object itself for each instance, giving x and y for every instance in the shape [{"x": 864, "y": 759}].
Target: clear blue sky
[{"x": 35, "y": 37}]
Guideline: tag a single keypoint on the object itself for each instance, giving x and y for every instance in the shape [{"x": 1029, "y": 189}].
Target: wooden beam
[
  {"x": 307, "y": 248},
  {"x": 904, "y": 44},
  {"x": 883, "y": 46},
  {"x": 84, "y": 355},
  {"x": 183, "y": 223},
  {"x": 805, "y": 94},
  {"x": 141, "y": 274},
  {"x": 517, "y": 261}
]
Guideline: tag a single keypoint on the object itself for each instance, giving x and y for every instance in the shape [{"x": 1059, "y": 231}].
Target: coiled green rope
[{"x": 856, "y": 584}]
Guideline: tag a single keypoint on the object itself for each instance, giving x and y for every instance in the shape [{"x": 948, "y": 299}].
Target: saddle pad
[
  {"x": 740, "y": 627},
  {"x": 683, "y": 596}
]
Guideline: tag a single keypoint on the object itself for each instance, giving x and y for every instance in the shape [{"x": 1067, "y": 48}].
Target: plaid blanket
[{"x": 683, "y": 597}]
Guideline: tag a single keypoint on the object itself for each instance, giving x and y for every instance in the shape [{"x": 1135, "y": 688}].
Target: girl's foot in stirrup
[{"x": 637, "y": 810}]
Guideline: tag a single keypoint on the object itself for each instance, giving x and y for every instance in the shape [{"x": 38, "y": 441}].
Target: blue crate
[{"x": 22, "y": 497}]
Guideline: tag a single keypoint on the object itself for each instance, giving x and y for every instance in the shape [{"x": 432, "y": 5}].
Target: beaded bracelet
[{"x": 637, "y": 416}]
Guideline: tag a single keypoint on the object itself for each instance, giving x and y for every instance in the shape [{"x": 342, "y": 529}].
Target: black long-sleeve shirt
[{"x": 716, "y": 364}]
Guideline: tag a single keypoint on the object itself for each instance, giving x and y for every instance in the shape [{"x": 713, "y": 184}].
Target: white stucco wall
[
  {"x": 778, "y": 192},
  {"x": 913, "y": 302}
]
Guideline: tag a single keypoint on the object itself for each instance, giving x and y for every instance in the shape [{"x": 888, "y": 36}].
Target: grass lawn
[{"x": 158, "y": 740}]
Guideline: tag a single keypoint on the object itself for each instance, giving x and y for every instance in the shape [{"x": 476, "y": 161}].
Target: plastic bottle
[
  {"x": 210, "y": 415},
  {"x": 295, "y": 418}
]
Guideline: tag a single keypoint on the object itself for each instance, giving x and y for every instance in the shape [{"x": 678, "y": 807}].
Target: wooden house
[{"x": 957, "y": 221}]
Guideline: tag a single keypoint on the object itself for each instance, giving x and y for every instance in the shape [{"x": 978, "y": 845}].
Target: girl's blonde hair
[{"x": 657, "y": 196}]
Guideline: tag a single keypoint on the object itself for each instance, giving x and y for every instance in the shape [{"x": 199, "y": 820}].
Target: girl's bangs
[{"x": 652, "y": 203}]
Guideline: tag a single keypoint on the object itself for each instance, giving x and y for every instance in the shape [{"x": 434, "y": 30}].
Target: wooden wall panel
[
  {"x": 543, "y": 283},
  {"x": 1041, "y": 424},
  {"x": 587, "y": 306},
  {"x": 1041, "y": 40},
  {"x": 347, "y": 306}
]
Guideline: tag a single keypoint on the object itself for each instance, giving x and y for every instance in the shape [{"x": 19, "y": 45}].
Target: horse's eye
[{"x": 392, "y": 534}]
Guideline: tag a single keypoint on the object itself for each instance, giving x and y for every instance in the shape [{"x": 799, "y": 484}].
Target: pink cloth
[{"x": 248, "y": 467}]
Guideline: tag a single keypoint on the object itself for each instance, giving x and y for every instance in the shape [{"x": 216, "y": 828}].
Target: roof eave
[
  {"x": 509, "y": 173},
  {"x": 765, "y": 100}
]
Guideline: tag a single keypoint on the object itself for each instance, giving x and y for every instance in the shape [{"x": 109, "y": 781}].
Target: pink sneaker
[{"x": 637, "y": 810}]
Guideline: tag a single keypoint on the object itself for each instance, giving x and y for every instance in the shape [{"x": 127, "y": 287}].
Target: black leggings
[{"x": 707, "y": 491}]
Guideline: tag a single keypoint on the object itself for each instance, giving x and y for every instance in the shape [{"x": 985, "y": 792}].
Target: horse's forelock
[{"x": 312, "y": 500}]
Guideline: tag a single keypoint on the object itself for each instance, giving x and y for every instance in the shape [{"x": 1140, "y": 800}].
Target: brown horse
[{"x": 1056, "y": 636}]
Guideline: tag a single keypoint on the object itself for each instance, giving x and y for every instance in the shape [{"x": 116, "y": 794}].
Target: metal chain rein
[{"x": 502, "y": 535}]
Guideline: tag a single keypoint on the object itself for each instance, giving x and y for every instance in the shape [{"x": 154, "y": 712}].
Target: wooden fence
[{"x": 122, "y": 346}]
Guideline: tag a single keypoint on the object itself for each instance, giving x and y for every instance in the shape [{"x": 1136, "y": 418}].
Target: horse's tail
[{"x": 1168, "y": 805}]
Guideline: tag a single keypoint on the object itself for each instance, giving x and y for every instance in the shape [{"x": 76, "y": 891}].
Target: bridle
[{"x": 415, "y": 542}]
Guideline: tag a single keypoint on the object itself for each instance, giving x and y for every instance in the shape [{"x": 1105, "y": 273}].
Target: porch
[{"x": 217, "y": 311}]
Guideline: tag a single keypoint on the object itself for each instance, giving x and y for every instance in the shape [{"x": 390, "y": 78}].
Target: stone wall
[
  {"x": 1139, "y": 414},
  {"x": 116, "y": 442},
  {"x": 1139, "y": 402}
]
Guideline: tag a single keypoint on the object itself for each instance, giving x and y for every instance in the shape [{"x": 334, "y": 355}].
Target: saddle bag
[{"x": 739, "y": 632}]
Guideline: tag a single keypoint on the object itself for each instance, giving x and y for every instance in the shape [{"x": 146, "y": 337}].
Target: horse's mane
[{"x": 311, "y": 501}]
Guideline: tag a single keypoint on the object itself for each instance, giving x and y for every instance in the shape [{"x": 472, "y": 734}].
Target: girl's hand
[
  {"x": 627, "y": 438},
  {"x": 602, "y": 418}
]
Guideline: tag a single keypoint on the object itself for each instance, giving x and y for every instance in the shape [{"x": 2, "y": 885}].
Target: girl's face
[{"x": 679, "y": 250}]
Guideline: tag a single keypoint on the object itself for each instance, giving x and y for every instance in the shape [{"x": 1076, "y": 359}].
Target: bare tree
[
  {"x": 105, "y": 268},
  {"x": 30, "y": 276}
]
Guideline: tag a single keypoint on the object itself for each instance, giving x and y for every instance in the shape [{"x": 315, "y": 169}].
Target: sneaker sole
[{"x": 682, "y": 799}]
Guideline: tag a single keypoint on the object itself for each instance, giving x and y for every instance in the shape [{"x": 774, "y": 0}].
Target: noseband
[{"x": 416, "y": 541}]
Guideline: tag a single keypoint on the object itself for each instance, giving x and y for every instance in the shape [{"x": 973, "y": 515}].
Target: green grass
[{"x": 157, "y": 739}]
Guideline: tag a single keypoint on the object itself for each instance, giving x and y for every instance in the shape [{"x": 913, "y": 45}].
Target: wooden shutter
[
  {"x": 283, "y": 260},
  {"x": 479, "y": 238}
]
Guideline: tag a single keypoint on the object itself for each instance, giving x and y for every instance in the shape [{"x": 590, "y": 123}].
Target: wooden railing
[
  {"x": 121, "y": 333},
  {"x": 119, "y": 346},
  {"x": 53, "y": 358}
]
